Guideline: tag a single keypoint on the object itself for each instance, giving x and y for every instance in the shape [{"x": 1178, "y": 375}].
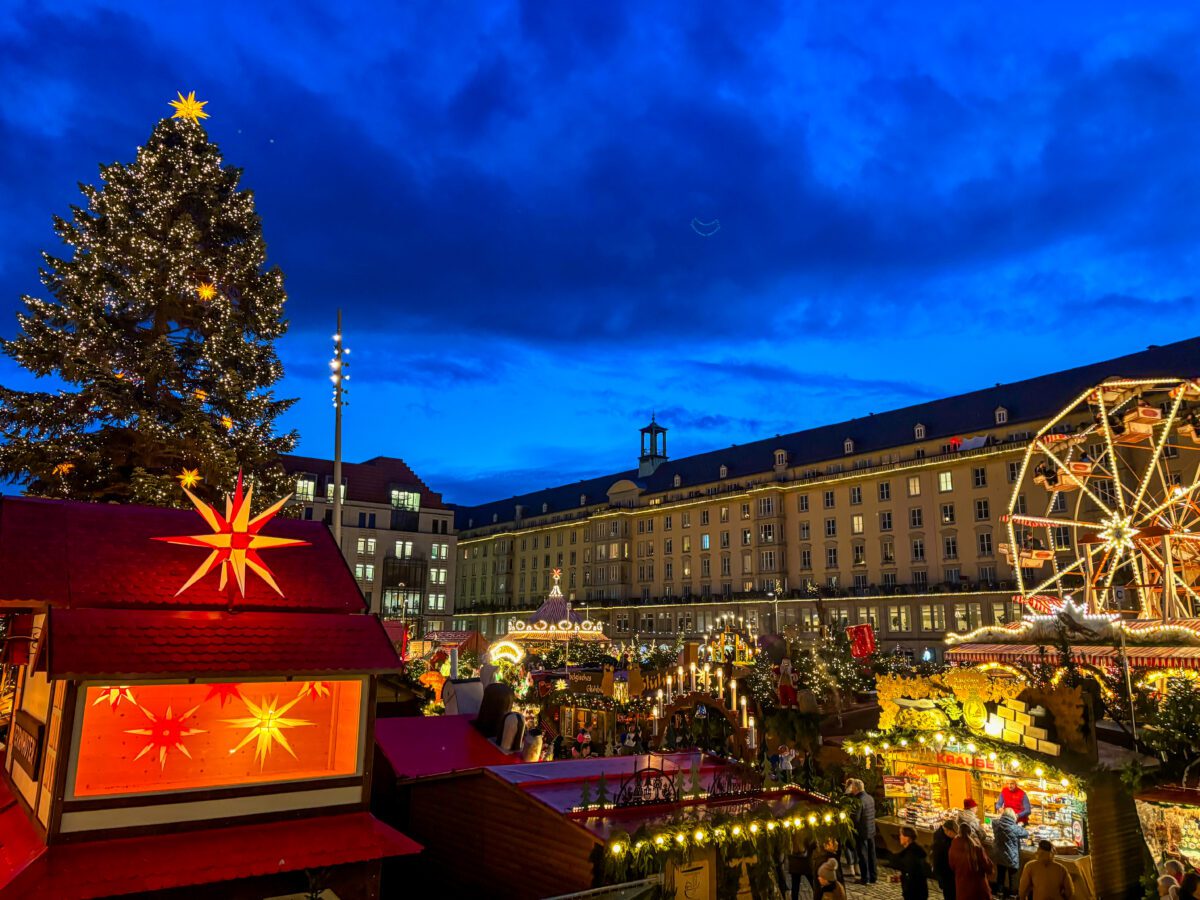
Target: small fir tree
[
  {"x": 585, "y": 795},
  {"x": 602, "y": 798},
  {"x": 160, "y": 329}
]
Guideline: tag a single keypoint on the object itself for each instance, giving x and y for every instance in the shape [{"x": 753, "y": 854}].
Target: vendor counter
[{"x": 1079, "y": 865}]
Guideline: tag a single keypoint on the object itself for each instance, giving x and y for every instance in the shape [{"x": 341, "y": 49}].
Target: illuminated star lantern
[
  {"x": 267, "y": 721},
  {"x": 64, "y": 468},
  {"x": 227, "y": 422},
  {"x": 224, "y": 693},
  {"x": 114, "y": 694},
  {"x": 189, "y": 107},
  {"x": 314, "y": 690},
  {"x": 189, "y": 478},
  {"x": 207, "y": 290},
  {"x": 1118, "y": 534},
  {"x": 235, "y": 540},
  {"x": 200, "y": 394},
  {"x": 165, "y": 733}
]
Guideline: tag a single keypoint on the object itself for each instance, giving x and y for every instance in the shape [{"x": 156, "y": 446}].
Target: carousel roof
[
  {"x": 554, "y": 620},
  {"x": 556, "y": 608}
]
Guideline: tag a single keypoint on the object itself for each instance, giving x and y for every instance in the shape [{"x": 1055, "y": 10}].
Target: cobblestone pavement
[{"x": 883, "y": 889}]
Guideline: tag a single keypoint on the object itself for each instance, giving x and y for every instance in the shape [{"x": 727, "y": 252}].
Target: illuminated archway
[{"x": 507, "y": 651}]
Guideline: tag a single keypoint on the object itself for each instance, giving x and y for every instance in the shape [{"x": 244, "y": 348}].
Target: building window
[
  {"x": 364, "y": 572},
  {"x": 666, "y": 523},
  {"x": 950, "y": 547},
  {"x": 848, "y": 445},
  {"x": 889, "y": 579},
  {"x": 985, "y": 543},
  {"x": 947, "y": 513},
  {"x": 1061, "y": 535},
  {"x": 406, "y": 500},
  {"x": 780, "y": 458},
  {"x": 898, "y": 619},
  {"x": 622, "y": 622},
  {"x": 766, "y": 560},
  {"x": 747, "y": 562},
  {"x": 668, "y": 569},
  {"x": 306, "y": 487},
  {"x": 1001, "y": 415},
  {"x": 829, "y": 499},
  {"x": 687, "y": 544},
  {"x": 967, "y": 616},
  {"x": 918, "y": 550},
  {"x": 885, "y": 520},
  {"x": 1021, "y": 508},
  {"x": 437, "y": 602},
  {"x": 856, "y": 495},
  {"x": 982, "y": 510},
  {"x": 802, "y": 502},
  {"x": 685, "y": 520},
  {"x": 668, "y": 547},
  {"x": 945, "y": 481},
  {"x": 1014, "y": 469},
  {"x": 677, "y": 481},
  {"x": 920, "y": 579},
  {"x": 1059, "y": 503},
  {"x": 404, "y": 549},
  {"x": 703, "y": 517},
  {"x": 747, "y": 537},
  {"x": 980, "y": 476},
  {"x": 724, "y": 540},
  {"x": 831, "y": 558},
  {"x": 723, "y": 472},
  {"x": 914, "y": 486},
  {"x": 987, "y": 574},
  {"x": 766, "y": 506},
  {"x": 885, "y": 490},
  {"x": 831, "y": 528},
  {"x": 860, "y": 555},
  {"x": 999, "y": 612},
  {"x": 933, "y": 617},
  {"x": 804, "y": 531},
  {"x": 856, "y": 524},
  {"x": 889, "y": 553},
  {"x": 916, "y": 518},
  {"x": 704, "y": 541},
  {"x": 366, "y": 546},
  {"x": 918, "y": 432},
  {"x": 766, "y": 533}
]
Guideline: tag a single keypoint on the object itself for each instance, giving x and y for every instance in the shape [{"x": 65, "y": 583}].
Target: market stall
[{"x": 1170, "y": 818}]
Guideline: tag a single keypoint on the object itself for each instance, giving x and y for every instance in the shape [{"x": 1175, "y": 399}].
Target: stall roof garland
[
  {"x": 757, "y": 830},
  {"x": 1096, "y": 627},
  {"x": 911, "y": 741}
]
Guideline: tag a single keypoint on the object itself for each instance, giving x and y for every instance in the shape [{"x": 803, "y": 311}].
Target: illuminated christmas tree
[{"x": 159, "y": 332}]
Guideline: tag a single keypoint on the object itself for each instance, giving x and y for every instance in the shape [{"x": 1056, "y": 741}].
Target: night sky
[{"x": 545, "y": 220}]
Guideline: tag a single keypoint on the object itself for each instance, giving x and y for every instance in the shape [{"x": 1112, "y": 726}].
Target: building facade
[
  {"x": 891, "y": 519},
  {"x": 397, "y": 536}
]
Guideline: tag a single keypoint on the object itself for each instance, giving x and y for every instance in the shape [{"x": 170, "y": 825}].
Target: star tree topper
[
  {"x": 189, "y": 107},
  {"x": 235, "y": 539}
]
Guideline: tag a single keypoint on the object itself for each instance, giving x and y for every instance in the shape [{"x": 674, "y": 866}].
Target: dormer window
[
  {"x": 724, "y": 472},
  {"x": 306, "y": 487},
  {"x": 545, "y": 508},
  {"x": 583, "y": 499},
  {"x": 1001, "y": 415},
  {"x": 781, "y": 458},
  {"x": 676, "y": 481},
  {"x": 848, "y": 446},
  {"x": 919, "y": 433},
  {"x": 495, "y": 518},
  {"x": 329, "y": 490}
]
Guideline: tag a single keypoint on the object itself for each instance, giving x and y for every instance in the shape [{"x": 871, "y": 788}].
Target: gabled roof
[
  {"x": 370, "y": 481},
  {"x": 71, "y": 554},
  {"x": 1025, "y": 401}
]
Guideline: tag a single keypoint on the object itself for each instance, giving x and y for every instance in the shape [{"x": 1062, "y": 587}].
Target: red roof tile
[
  {"x": 424, "y": 746},
  {"x": 66, "y": 553},
  {"x": 20, "y": 844},
  {"x": 118, "y": 866},
  {"x": 84, "y": 643}
]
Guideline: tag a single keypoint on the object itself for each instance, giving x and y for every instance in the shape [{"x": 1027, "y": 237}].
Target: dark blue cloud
[{"x": 499, "y": 195}]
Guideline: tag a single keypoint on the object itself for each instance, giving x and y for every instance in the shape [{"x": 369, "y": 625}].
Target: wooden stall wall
[
  {"x": 1118, "y": 853},
  {"x": 481, "y": 832}
]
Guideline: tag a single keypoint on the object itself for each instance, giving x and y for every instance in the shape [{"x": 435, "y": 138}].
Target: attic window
[
  {"x": 848, "y": 446},
  {"x": 919, "y": 433},
  {"x": 781, "y": 457},
  {"x": 583, "y": 499},
  {"x": 1001, "y": 415},
  {"x": 545, "y": 507},
  {"x": 495, "y": 518},
  {"x": 724, "y": 472},
  {"x": 676, "y": 481}
]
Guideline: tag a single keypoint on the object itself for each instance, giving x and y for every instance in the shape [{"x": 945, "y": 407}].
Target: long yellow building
[{"x": 890, "y": 519}]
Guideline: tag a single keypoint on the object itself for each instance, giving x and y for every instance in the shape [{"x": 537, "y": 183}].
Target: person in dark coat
[
  {"x": 1008, "y": 836},
  {"x": 912, "y": 865},
  {"x": 864, "y": 831},
  {"x": 941, "y": 857}
]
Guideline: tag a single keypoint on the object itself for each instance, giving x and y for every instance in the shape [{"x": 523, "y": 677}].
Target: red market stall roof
[
  {"x": 428, "y": 746},
  {"x": 155, "y": 862},
  {"x": 463, "y": 641},
  {"x": 1097, "y": 655},
  {"x": 66, "y": 553},
  {"x": 91, "y": 643}
]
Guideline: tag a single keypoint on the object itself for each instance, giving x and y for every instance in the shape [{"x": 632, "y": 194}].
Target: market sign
[
  {"x": 27, "y": 742},
  {"x": 596, "y": 683}
]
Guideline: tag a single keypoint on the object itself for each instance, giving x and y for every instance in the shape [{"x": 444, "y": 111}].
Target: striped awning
[{"x": 1096, "y": 655}]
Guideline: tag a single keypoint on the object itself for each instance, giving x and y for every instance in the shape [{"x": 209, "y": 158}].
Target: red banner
[{"x": 862, "y": 640}]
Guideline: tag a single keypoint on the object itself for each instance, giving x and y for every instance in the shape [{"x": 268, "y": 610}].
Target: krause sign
[{"x": 27, "y": 742}]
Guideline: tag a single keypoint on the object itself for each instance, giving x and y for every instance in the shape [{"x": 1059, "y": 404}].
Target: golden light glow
[
  {"x": 189, "y": 107},
  {"x": 200, "y": 395},
  {"x": 64, "y": 468},
  {"x": 207, "y": 290},
  {"x": 188, "y": 478},
  {"x": 227, "y": 422},
  {"x": 235, "y": 540},
  {"x": 510, "y": 651},
  {"x": 166, "y": 732},
  {"x": 267, "y": 722},
  {"x": 1118, "y": 533}
]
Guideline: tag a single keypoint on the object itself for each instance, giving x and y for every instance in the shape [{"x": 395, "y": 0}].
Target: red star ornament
[
  {"x": 165, "y": 732},
  {"x": 235, "y": 539},
  {"x": 224, "y": 693}
]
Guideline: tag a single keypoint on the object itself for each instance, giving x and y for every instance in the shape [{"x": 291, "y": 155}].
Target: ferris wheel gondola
[{"x": 1119, "y": 473}]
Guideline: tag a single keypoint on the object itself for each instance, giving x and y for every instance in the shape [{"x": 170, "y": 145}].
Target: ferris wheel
[{"x": 1117, "y": 478}]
